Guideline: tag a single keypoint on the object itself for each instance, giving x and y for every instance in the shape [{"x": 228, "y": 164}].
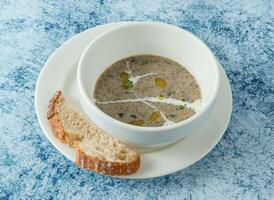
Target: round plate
[{"x": 59, "y": 73}]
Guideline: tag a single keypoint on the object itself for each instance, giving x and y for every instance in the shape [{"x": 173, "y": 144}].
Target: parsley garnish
[
  {"x": 128, "y": 84},
  {"x": 181, "y": 107},
  {"x": 144, "y": 62}
]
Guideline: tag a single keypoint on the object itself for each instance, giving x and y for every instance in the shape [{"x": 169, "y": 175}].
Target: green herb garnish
[
  {"x": 181, "y": 107},
  {"x": 128, "y": 84},
  {"x": 121, "y": 115},
  {"x": 183, "y": 99},
  {"x": 144, "y": 62}
]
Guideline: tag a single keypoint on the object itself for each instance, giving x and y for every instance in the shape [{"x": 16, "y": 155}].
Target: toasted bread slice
[{"x": 95, "y": 149}]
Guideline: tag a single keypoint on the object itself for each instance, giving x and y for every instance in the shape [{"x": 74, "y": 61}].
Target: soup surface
[{"x": 147, "y": 90}]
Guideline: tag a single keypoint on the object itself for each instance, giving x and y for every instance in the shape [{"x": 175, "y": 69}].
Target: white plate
[{"x": 59, "y": 72}]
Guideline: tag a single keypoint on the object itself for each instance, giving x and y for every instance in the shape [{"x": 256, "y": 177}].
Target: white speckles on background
[{"x": 240, "y": 33}]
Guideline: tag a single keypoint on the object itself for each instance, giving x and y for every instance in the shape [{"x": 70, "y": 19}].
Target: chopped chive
[
  {"x": 181, "y": 107},
  {"x": 128, "y": 84},
  {"x": 144, "y": 62},
  {"x": 183, "y": 99}
]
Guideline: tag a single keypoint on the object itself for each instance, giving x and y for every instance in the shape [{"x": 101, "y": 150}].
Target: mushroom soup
[{"x": 147, "y": 90}]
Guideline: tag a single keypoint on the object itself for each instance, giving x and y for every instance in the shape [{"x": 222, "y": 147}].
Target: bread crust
[
  {"x": 105, "y": 167},
  {"x": 56, "y": 124},
  {"x": 82, "y": 159},
  {"x": 52, "y": 104}
]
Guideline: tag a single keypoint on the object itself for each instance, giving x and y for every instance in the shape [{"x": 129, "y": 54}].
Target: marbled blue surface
[{"x": 240, "y": 33}]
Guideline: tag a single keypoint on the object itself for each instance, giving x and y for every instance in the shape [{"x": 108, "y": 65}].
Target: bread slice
[{"x": 95, "y": 149}]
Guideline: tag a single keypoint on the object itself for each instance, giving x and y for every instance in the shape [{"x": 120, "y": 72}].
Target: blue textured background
[{"x": 240, "y": 33}]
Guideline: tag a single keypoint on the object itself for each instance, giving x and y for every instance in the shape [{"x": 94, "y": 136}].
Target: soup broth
[{"x": 147, "y": 90}]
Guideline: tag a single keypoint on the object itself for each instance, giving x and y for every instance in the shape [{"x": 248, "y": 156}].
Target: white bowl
[{"x": 154, "y": 39}]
